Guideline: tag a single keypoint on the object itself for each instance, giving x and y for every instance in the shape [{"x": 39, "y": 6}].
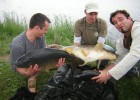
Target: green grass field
[{"x": 61, "y": 33}]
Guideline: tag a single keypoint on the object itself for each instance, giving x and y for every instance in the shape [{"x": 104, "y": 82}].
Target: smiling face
[
  {"x": 39, "y": 24},
  {"x": 41, "y": 31},
  {"x": 122, "y": 23}
]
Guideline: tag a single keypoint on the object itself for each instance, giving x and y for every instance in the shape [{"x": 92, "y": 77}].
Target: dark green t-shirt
[{"x": 89, "y": 33}]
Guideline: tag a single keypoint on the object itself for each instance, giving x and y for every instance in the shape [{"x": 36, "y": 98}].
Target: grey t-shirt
[{"x": 21, "y": 45}]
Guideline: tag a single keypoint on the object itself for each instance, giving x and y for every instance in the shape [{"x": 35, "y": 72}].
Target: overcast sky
[{"x": 72, "y": 8}]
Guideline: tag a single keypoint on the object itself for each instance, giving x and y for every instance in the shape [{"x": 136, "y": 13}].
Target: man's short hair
[
  {"x": 126, "y": 14},
  {"x": 38, "y": 19}
]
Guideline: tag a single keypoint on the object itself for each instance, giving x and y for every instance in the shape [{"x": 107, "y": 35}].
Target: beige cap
[{"x": 91, "y": 7}]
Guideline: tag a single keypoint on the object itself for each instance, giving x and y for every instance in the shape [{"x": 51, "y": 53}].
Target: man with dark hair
[
  {"x": 38, "y": 19},
  {"x": 127, "y": 47},
  {"x": 31, "y": 39}
]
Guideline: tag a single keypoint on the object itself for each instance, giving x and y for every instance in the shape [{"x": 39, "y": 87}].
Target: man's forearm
[
  {"x": 22, "y": 71},
  {"x": 110, "y": 66}
]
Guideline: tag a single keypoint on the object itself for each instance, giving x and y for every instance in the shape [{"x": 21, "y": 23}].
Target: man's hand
[
  {"x": 61, "y": 62},
  {"x": 76, "y": 44},
  {"x": 102, "y": 78},
  {"x": 33, "y": 70},
  {"x": 29, "y": 71}
]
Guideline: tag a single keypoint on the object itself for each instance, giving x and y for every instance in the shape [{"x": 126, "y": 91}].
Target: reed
[{"x": 61, "y": 31}]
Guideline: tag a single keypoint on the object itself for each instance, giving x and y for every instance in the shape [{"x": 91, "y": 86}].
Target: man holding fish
[
  {"x": 127, "y": 48},
  {"x": 91, "y": 30},
  {"x": 29, "y": 40}
]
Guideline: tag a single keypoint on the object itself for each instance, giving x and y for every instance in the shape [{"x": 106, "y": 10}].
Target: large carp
[
  {"x": 90, "y": 53},
  {"x": 47, "y": 58}
]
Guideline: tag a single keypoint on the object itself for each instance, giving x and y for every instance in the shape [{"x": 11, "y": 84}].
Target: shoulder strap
[{"x": 97, "y": 25}]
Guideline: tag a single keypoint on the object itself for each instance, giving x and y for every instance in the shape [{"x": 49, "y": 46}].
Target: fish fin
[
  {"x": 98, "y": 46},
  {"x": 47, "y": 70},
  {"x": 83, "y": 64},
  {"x": 56, "y": 46},
  {"x": 84, "y": 53},
  {"x": 68, "y": 50}
]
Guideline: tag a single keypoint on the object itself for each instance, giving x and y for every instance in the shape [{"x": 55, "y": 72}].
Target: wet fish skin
[
  {"x": 47, "y": 58},
  {"x": 90, "y": 53}
]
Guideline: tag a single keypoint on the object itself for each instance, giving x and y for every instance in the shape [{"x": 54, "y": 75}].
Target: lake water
[{"x": 73, "y": 9}]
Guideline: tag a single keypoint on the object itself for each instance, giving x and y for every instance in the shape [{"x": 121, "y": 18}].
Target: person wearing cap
[{"x": 90, "y": 29}]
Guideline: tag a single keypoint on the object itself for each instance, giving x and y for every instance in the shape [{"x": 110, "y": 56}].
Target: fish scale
[{"x": 47, "y": 58}]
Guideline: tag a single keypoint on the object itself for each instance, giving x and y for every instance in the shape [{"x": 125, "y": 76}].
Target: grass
[
  {"x": 61, "y": 33},
  {"x": 9, "y": 28},
  {"x": 129, "y": 88},
  {"x": 9, "y": 81}
]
